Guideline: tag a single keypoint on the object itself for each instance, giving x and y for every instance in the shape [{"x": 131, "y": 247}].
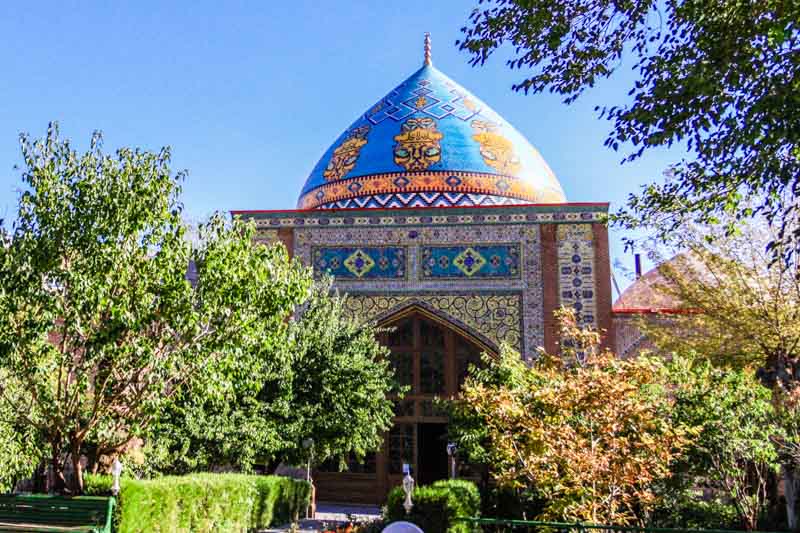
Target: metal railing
[{"x": 529, "y": 526}]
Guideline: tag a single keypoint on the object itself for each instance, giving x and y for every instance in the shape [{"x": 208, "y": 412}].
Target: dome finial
[{"x": 427, "y": 48}]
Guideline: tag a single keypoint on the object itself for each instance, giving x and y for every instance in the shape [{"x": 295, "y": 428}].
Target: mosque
[{"x": 442, "y": 221}]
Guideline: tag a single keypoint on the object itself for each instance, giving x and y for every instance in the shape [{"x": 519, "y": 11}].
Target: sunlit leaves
[
  {"x": 719, "y": 77},
  {"x": 590, "y": 439},
  {"x": 98, "y": 322}
]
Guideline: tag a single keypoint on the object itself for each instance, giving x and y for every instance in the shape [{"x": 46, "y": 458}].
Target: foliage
[
  {"x": 98, "y": 322},
  {"x": 341, "y": 380},
  {"x": 742, "y": 311},
  {"x": 332, "y": 388},
  {"x": 436, "y": 506},
  {"x": 98, "y": 484},
  {"x": 205, "y": 502},
  {"x": 745, "y": 308},
  {"x": 591, "y": 438},
  {"x": 695, "y": 513},
  {"x": 720, "y": 76},
  {"x": 731, "y": 418},
  {"x": 20, "y": 445}
]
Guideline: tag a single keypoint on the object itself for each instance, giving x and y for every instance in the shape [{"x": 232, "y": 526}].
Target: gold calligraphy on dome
[
  {"x": 345, "y": 155},
  {"x": 418, "y": 144},
  {"x": 497, "y": 151}
]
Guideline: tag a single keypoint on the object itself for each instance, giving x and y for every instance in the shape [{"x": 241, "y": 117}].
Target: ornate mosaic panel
[
  {"x": 576, "y": 271},
  {"x": 527, "y": 284},
  {"x": 360, "y": 262},
  {"x": 495, "y": 317},
  {"x": 470, "y": 261}
]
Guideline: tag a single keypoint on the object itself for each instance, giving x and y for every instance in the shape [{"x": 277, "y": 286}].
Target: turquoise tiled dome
[{"x": 429, "y": 143}]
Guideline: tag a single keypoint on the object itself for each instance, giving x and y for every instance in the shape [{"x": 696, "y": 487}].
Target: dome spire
[{"x": 427, "y": 48}]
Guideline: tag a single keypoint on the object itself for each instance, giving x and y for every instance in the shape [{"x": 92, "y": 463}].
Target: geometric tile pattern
[
  {"x": 416, "y": 199},
  {"x": 470, "y": 261},
  {"x": 493, "y": 317},
  {"x": 424, "y": 188},
  {"x": 347, "y": 262},
  {"x": 520, "y": 241},
  {"x": 445, "y": 216},
  {"x": 397, "y": 105},
  {"x": 576, "y": 280}
]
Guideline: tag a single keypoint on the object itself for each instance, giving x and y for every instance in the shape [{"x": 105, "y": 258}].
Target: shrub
[
  {"x": 97, "y": 485},
  {"x": 689, "y": 513},
  {"x": 437, "y": 506},
  {"x": 204, "y": 502}
]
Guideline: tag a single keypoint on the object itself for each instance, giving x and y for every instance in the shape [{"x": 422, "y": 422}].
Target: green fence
[{"x": 488, "y": 525}]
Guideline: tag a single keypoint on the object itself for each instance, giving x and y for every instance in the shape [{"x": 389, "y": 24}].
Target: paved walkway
[{"x": 331, "y": 515}]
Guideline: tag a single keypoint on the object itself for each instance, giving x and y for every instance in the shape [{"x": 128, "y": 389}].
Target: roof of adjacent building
[
  {"x": 429, "y": 143},
  {"x": 648, "y": 295}
]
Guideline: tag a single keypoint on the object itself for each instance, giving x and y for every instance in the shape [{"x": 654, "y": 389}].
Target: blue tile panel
[
  {"x": 369, "y": 262},
  {"x": 470, "y": 261}
]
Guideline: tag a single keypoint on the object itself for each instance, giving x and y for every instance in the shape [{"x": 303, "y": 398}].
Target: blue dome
[{"x": 429, "y": 143}]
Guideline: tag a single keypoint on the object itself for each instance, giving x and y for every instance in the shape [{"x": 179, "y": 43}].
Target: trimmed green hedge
[
  {"x": 437, "y": 506},
  {"x": 204, "y": 502}
]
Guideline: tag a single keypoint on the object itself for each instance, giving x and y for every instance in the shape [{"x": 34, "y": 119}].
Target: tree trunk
[
  {"x": 77, "y": 482},
  {"x": 790, "y": 485},
  {"x": 59, "y": 482}
]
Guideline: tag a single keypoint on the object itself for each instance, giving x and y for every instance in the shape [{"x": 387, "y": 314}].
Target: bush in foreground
[
  {"x": 438, "y": 506},
  {"x": 204, "y": 502}
]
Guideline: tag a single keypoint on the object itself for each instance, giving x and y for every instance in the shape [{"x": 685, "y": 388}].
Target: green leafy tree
[
  {"x": 98, "y": 322},
  {"x": 589, "y": 433},
  {"x": 745, "y": 313},
  {"x": 331, "y": 385},
  {"x": 719, "y": 76},
  {"x": 341, "y": 381},
  {"x": 731, "y": 418}
]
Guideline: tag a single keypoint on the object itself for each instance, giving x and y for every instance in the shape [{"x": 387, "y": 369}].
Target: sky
[{"x": 250, "y": 94}]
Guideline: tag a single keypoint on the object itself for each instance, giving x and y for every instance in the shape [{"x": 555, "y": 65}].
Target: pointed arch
[{"x": 438, "y": 317}]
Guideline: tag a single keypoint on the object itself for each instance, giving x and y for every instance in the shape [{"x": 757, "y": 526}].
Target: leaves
[
  {"x": 98, "y": 322},
  {"x": 719, "y": 77},
  {"x": 590, "y": 438},
  {"x": 732, "y": 421},
  {"x": 320, "y": 376}
]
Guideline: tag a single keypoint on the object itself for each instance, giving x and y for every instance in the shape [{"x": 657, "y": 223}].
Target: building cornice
[{"x": 436, "y": 216}]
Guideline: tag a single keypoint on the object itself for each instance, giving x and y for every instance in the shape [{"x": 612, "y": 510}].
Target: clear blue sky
[{"x": 250, "y": 94}]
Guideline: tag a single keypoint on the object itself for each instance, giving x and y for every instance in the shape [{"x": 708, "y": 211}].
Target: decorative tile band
[
  {"x": 496, "y": 317},
  {"x": 398, "y": 183},
  {"x": 368, "y": 262},
  {"x": 576, "y": 271},
  {"x": 419, "y": 199},
  {"x": 470, "y": 261},
  {"x": 495, "y": 215}
]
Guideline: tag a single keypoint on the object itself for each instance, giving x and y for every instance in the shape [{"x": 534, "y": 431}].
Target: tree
[
  {"x": 745, "y": 313},
  {"x": 720, "y": 76},
  {"x": 341, "y": 382},
  {"x": 98, "y": 322},
  {"x": 591, "y": 438},
  {"x": 332, "y": 387},
  {"x": 731, "y": 419}
]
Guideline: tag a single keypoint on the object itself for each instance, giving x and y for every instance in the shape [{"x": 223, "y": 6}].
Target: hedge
[
  {"x": 437, "y": 506},
  {"x": 204, "y": 502}
]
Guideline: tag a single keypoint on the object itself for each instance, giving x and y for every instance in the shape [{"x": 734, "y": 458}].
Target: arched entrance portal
[{"x": 430, "y": 357}]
